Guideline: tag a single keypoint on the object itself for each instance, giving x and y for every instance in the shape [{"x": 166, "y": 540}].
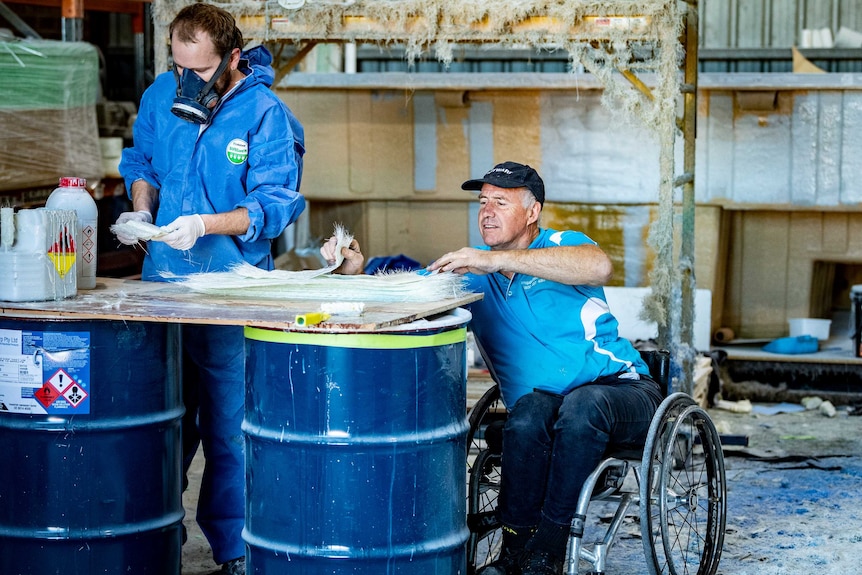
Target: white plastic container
[
  {"x": 36, "y": 256},
  {"x": 73, "y": 195},
  {"x": 112, "y": 151},
  {"x": 818, "y": 328}
]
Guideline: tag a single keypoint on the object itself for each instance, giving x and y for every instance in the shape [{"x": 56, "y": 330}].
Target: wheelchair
[{"x": 675, "y": 488}]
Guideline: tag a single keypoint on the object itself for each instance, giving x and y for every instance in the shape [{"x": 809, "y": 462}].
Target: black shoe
[
  {"x": 509, "y": 563},
  {"x": 232, "y": 567},
  {"x": 542, "y": 563}
]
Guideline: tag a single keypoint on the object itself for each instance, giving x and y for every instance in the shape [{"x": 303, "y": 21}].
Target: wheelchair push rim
[
  {"x": 483, "y": 488},
  {"x": 683, "y": 491}
]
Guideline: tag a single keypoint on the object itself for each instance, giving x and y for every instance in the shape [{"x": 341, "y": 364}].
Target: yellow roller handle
[{"x": 311, "y": 318}]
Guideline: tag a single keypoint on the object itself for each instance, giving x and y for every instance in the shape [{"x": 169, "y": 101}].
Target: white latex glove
[
  {"x": 139, "y": 216},
  {"x": 183, "y": 232}
]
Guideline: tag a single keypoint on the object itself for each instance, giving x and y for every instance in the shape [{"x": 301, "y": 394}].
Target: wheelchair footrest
[{"x": 615, "y": 476}]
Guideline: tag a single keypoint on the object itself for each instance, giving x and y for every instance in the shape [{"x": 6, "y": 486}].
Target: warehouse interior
[{"x": 719, "y": 168}]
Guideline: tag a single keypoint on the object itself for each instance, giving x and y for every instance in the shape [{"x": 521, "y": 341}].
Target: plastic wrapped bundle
[{"x": 48, "y": 125}]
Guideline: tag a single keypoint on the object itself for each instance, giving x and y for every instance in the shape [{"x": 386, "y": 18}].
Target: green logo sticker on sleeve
[{"x": 237, "y": 151}]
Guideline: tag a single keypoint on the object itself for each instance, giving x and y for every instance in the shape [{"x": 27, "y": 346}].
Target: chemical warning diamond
[
  {"x": 46, "y": 395},
  {"x": 75, "y": 395},
  {"x": 61, "y": 380}
]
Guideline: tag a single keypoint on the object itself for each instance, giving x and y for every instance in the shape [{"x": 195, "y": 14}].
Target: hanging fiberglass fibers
[{"x": 440, "y": 25}]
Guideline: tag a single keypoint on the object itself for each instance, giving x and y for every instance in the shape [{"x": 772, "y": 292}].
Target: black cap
[{"x": 511, "y": 175}]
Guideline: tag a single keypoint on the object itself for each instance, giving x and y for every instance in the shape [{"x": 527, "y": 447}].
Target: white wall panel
[
  {"x": 805, "y": 151},
  {"x": 829, "y": 148},
  {"x": 588, "y": 156},
  {"x": 761, "y": 162},
  {"x": 851, "y": 149},
  {"x": 808, "y": 153},
  {"x": 714, "y": 148}
]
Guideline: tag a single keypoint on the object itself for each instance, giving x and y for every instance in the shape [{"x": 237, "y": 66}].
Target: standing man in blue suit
[{"x": 217, "y": 163}]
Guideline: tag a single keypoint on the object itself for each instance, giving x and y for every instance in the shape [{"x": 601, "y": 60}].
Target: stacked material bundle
[{"x": 48, "y": 125}]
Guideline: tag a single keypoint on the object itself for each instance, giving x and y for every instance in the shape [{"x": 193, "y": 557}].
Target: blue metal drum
[
  {"x": 90, "y": 480},
  {"x": 356, "y": 450}
]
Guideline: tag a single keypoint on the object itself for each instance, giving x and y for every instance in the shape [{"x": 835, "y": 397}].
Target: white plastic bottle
[{"x": 73, "y": 195}]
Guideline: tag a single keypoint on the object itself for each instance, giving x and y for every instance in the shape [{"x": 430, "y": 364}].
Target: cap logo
[{"x": 510, "y": 175}]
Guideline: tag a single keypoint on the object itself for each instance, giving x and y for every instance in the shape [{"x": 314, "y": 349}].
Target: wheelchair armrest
[{"x": 658, "y": 363}]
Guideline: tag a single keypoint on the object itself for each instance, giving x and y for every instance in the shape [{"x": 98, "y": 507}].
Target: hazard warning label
[
  {"x": 44, "y": 372},
  {"x": 89, "y": 246},
  {"x": 75, "y": 394},
  {"x": 47, "y": 395},
  {"x": 61, "y": 380}
]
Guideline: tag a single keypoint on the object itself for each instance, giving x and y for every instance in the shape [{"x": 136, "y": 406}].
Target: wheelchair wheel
[
  {"x": 683, "y": 491},
  {"x": 484, "y": 445}
]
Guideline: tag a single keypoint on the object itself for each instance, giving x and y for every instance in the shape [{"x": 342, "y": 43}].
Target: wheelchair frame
[{"x": 679, "y": 474}]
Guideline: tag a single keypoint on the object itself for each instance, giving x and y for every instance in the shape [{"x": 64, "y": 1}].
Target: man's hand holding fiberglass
[
  {"x": 183, "y": 232},
  {"x": 139, "y": 216}
]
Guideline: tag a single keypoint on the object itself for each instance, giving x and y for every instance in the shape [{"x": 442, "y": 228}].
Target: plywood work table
[
  {"x": 135, "y": 300},
  {"x": 387, "y": 378}
]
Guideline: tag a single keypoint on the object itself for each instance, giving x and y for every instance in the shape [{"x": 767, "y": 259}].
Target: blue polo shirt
[{"x": 540, "y": 334}]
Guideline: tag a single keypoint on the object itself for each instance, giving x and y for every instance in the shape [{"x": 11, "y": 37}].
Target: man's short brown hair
[{"x": 218, "y": 23}]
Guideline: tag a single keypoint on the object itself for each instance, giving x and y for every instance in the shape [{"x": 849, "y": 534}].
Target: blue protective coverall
[{"x": 248, "y": 155}]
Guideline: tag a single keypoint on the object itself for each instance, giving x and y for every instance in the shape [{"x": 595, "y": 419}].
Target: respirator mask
[{"x": 195, "y": 98}]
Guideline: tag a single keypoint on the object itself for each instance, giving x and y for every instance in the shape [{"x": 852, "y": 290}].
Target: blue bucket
[
  {"x": 90, "y": 427},
  {"x": 356, "y": 450}
]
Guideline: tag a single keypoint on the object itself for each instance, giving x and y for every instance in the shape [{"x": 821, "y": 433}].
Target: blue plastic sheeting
[
  {"x": 391, "y": 263},
  {"x": 777, "y": 408}
]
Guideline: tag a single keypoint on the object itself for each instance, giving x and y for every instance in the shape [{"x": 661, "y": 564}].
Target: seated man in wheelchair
[{"x": 571, "y": 385}]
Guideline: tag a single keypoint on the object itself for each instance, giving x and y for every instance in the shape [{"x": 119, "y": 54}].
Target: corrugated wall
[
  {"x": 756, "y": 35},
  {"x": 772, "y": 23}
]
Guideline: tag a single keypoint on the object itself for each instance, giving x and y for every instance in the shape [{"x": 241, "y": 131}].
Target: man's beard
[{"x": 223, "y": 83}]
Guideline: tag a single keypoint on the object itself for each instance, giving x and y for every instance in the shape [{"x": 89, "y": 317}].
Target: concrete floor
[
  {"x": 792, "y": 500},
  {"x": 197, "y": 556},
  {"x": 796, "y": 509}
]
